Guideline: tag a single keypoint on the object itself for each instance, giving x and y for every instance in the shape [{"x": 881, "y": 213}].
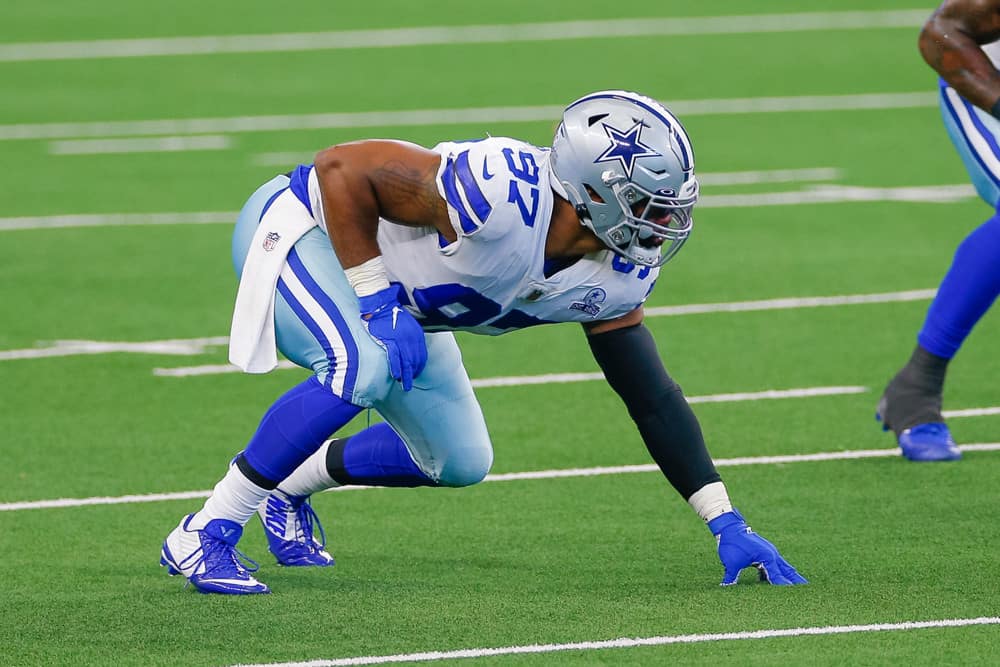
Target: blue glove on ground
[
  {"x": 397, "y": 332},
  {"x": 740, "y": 547}
]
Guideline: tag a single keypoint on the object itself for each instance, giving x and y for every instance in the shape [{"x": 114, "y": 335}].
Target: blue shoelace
[
  {"x": 306, "y": 517},
  {"x": 218, "y": 555}
]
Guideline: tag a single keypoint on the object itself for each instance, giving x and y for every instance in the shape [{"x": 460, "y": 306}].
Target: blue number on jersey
[
  {"x": 624, "y": 266},
  {"x": 526, "y": 170},
  {"x": 431, "y": 302}
]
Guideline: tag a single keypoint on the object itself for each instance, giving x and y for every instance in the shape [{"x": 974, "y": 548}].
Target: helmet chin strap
[
  {"x": 583, "y": 213},
  {"x": 573, "y": 195}
]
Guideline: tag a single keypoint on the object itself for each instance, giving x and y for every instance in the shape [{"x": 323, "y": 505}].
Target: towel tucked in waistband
[{"x": 252, "y": 345}]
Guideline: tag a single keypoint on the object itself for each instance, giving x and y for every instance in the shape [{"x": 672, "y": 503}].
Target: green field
[{"x": 516, "y": 563}]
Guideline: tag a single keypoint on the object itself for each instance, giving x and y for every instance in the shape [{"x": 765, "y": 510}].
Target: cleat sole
[{"x": 171, "y": 570}]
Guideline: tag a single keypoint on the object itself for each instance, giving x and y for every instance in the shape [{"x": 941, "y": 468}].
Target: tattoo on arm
[{"x": 407, "y": 188}]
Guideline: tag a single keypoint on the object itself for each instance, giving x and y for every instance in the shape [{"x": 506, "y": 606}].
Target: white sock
[
  {"x": 235, "y": 498},
  {"x": 310, "y": 477},
  {"x": 710, "y": 501}
]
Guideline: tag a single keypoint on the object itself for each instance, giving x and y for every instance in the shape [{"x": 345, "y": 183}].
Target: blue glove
[
  {"x": 397, "y": 332},
  {"x": 740, "y": 547}
]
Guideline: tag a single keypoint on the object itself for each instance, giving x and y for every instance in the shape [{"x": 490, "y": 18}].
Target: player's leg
[
  {"x": 205, "y": 551},
  {"x": 439, "y": 424},
  {"x": 318, "y": 326},
  {"x": 312, "y": 331},
  {"x": 911, "y": 404},
  {"x": 435, "y": 435}
]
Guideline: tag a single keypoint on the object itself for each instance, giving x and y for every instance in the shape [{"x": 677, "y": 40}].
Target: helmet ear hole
[{"x": 592, "y": 193}]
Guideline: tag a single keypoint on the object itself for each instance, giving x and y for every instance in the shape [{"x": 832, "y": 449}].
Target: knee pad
[{"x": 466, "y": 465}]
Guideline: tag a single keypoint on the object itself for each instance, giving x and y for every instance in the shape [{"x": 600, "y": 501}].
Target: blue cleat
[
  {"x": 209, "y": 559},
  {"x": 929, "y": 442},
  {"x": 928, "y": 439},
  {"x": 288, "y": 523}
]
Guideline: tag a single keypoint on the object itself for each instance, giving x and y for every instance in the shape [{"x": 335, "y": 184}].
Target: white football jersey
[
  {"x": 992, "y": 51},
  {"x": 492, "y": 279}
]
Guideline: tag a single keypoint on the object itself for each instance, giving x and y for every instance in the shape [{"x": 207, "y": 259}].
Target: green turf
[
  {"x": 502, "y": 563},
  {"x": 519, "y": 563},
  {"x": 69, "y": 20}
]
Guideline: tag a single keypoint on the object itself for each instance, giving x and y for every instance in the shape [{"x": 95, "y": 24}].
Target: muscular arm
[
  {"x": 364, "y": 180},
  {"x": 626, "y": 352},
  {"x": 950, "y": 43}
]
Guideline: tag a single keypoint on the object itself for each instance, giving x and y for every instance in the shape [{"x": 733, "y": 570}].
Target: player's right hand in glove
[
  {"x": 740, "y": 547},
  {"x": 397, "y": 332}
]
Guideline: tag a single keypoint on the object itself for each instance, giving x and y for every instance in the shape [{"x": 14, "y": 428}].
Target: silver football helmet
[{"x": 628, "y": 168}]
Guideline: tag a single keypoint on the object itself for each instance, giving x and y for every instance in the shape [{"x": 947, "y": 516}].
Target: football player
[
  {"x": 960, "y": 42},
  {"x": 361, "y": 265}
]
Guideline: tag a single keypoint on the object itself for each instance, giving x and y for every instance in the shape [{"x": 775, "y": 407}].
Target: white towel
[{"x": 252, "y": 345}]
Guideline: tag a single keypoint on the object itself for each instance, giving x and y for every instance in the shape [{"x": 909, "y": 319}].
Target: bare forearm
[{"x": 950, "y": 42}]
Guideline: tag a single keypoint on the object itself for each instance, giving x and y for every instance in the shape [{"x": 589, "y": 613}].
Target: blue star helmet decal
[
  {"x": 608, "y": 128},
  {"x": 626, "y": 147}
]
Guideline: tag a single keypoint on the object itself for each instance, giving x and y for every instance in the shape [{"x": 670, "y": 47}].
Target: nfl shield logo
[{"x": 271, "y": 240}]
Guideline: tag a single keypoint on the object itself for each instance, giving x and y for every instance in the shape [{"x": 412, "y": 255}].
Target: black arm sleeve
[{"x": 668, "y": 426}]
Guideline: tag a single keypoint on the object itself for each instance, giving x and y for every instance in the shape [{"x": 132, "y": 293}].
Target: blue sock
[
  {"x": 294, "y": 427},
  {"x": 968, "y": 290},
  {"x": 376, "y": 456}
]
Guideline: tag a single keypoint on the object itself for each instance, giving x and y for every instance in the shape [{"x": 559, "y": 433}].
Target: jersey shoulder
[{"x": 494, "y": 185}]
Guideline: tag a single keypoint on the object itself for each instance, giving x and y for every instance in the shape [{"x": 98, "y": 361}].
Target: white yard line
[
  {"x": 971, "y": 412},
  {"x": 722, "y": 178},
  {"x": 776, "y": 394},
  {"x": 286, "y": 159},
  {"x": 840, "y": 194},
  {"x": 940, "y": 194},
  {"x": 635, "y": 642},
  {"x": 207, "y": 142},
  {"x": 485, "y": 116},
  {"x": 67, "y": 348},
  {"x": 472, "y": 34},
  {"x": 505, "y": 477},
  {"x": 229, "y": 217},
  {"x": 791, "y": 303},
  {"x": 213, "y": 369},
  {"x": 830, "y": 194},
  {"x": 282, "y": 159},
  {"x": 117, "y": 220}
]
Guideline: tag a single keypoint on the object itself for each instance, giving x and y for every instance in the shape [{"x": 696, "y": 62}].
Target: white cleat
[{"x": 209, "y": 559}]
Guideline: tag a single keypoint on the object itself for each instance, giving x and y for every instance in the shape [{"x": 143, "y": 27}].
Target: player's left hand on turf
[{"x": 740, "y": 547}]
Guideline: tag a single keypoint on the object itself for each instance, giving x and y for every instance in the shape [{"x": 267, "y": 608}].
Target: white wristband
[
  {"x": 710, "y": 501},
  {"x": 368, "y": 278}
]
